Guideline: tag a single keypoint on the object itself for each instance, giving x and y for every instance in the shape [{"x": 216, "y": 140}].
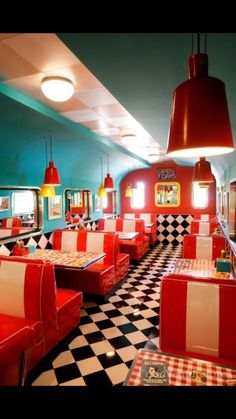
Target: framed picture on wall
[
  {"x": 55, "y": 207},
  {"x": 4, "y": 203}
]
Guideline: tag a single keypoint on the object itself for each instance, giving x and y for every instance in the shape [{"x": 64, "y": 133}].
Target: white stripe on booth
[
  {"x": 129, "y": 225},
  {"x": 204, "y": 228},
  {"x": 4, "y": 232},
  {"x": 9, "y": 223},
  {"x": 205, "y": 217},
  {"x": 110, "y": 225},
  {"x": 146, "y": 217},
  {"x": 69, "y": 240},
  {"x": 95, "y": 242},
  {"x": 204, "y": 248},
  {"x": 12, "y": 283},
  {"x": 129, "y": 216},
  {"x": 202, "y": 318}
]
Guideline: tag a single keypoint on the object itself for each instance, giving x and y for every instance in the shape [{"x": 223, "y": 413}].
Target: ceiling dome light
[
  {"x": 58, "y": 89},
  {"x": 128, "y": 137}
]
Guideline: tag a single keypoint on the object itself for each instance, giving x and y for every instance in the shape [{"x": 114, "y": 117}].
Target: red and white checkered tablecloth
[{"x": 180, "y": 370}]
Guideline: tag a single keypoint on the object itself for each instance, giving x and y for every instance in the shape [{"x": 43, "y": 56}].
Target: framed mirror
[
  {"x": 78, "y": 204},
  {"x": 167, "y": 194},
  {"x": 20, "y": 211}
]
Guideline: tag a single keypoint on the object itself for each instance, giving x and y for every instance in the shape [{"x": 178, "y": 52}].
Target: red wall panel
[{"x": 184, "y": 176}]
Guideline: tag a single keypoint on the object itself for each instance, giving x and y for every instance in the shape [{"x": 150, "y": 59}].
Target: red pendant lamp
[
  {"x": 51, "y": 177},
  {"x": 108, "y": 181},
  {"x": 202, "y": 171},
  {"x": 200, "y": 123}
]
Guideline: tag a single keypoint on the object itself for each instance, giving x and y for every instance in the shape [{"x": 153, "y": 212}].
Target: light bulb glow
[{"x": 58, "y": 89}]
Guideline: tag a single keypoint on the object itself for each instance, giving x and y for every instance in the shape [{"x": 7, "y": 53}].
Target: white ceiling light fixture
[
  {"x": 58, "y": 89},
  {"x": 128, "y": 137}
]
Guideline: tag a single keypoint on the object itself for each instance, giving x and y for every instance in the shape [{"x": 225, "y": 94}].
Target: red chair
[{"x": 198, "y": 318}]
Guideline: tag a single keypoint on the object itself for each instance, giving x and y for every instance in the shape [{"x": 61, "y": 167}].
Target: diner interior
[{"x": 117, "y": 209}]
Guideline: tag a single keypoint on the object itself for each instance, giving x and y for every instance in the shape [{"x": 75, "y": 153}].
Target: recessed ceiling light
[{"x": 58, "y": 89}]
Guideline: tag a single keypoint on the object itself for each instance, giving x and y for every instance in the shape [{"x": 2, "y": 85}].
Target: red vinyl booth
[
  {"x": 205, "y": 217},
  {"x": 150, "y": 232},
  {"x": 198, "y": 318},
  {"x": 136, "y": 247},
  {"x": 203, "y": 247},
  {"x": 10, "y": 222},
  {"x": 100, "y": 277},
  {"x": 29, "y": 298},
  {"x": 203, "y": 227}
]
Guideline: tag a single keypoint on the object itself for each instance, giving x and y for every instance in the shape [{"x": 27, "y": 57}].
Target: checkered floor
[{"x": 102, "y": 348}]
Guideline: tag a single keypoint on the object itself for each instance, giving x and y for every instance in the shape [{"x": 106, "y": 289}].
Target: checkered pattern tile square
[{"x": 101, "y": 349}]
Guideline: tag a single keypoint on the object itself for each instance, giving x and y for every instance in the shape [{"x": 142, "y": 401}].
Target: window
[
  {"x": 200, "y": 196},
  {"x": 22, "y": 202},
  {"x": 137, "y": 200}
]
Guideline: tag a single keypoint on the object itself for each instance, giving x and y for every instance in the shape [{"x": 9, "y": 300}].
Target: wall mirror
[
  {"x": 167, "y": 194},
  {"x": 232, "y": 211},
  {"x": 110, "y": 204},
  {"x": 78, "y": 204},
  {"x": 20, "y": 211}
]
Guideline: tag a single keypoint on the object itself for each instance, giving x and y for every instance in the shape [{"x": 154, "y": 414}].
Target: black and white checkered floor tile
[{"x": 102, "y": 348}]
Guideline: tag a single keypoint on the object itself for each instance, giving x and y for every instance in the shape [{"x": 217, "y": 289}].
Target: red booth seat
[
  {"x": 150, "y": 232},
  {"x": 136, "y": 247},
  {"x": 6, "y": 232},
  {"x": 15, "y": 341},
  {"x": 10, "y": 222},
  {"x": 29, "y": 298},
  {"x": 203, "y": 247},
  {"x": 205, "y": 217},
  {"x": 198, "y": 318},
  {"x": 100, "y": 277},
  {"x": 203, "y": 227}
]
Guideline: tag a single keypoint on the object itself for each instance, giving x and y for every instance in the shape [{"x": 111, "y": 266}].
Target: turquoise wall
[{"x": 77, "y": 157}]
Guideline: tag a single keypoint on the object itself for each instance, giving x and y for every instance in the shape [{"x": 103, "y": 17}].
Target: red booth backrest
[
  {"x": 147, "y": 217},
  {"x": 122, "y": 225},
  {"x": 87, "y": 241},
  {"x": 198, "y": 316},
  {"x": 203, "y": 247},
  {"x": 11, "y": 222}
]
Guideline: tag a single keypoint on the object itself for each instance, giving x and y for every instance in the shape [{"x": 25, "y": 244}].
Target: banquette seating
[
  {"x": 203, "y": 227},
  {"x": 198, "y": 318},
  {"x": 14, "y": 231},
  {"x": 100, "y": 277},
  {"x": 10, "y": 222},
  {"x": 136, "y": 247},
  {"x": 205, "y": 217},
  {"x": 203, "y": 247},
  {"x": 30, "y": 301},
  {"x": 148, "y": 218}
]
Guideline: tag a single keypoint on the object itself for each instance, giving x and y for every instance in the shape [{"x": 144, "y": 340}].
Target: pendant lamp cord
[
  {"x": 46, "y": 151},
  {"x": 101, "y": 170},
  {"x": 50, "y": 135},
  {"x": 199, "y": 43},
  {"x": 108, "y": 171}
]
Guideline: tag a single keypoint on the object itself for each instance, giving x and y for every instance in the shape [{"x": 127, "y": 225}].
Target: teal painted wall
[{"x": 77, "y": 157}]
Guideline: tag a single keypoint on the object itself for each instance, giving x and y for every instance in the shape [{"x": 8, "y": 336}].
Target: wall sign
[{"x": 166, "y": 174}]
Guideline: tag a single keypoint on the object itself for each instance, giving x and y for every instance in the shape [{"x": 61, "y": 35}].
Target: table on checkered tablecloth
[
  {"x": 180, "y": 370},
  {"x": 67, "y": 259}
]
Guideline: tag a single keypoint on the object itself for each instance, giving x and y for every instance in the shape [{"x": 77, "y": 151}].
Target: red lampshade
[
  {"x": 51, "y": 175},
  {"x": 202, "y": 171},
  {"x": 108, "y": 182},
  {"x": 200, "y": 124}
]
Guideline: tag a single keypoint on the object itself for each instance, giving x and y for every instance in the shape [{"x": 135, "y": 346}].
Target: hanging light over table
[
  {"x": 202, "y": 171},
  {"x": 51, "y": 177},
  {"x": 200, "y": 124},
  {"x": 108, "y": 182},
  {"x": 102, "y": 192}
]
